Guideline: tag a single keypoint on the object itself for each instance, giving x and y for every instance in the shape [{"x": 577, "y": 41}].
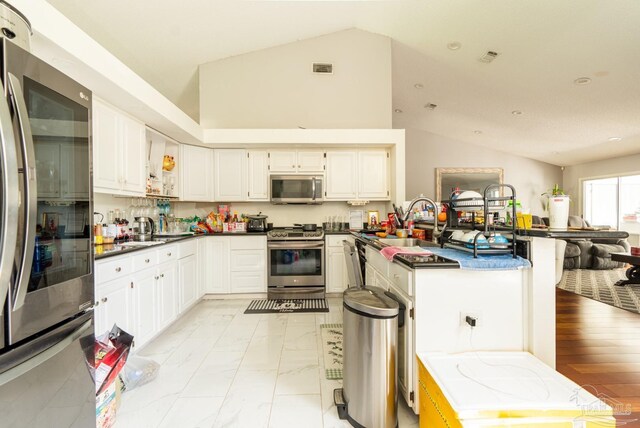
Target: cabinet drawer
[
  {"x": 248, "y": 282},
  {"x": 247, "y": 260},
  {"x": 401, "y": 278},
  {"x": 188, "y": 248},
  {"x": 167, "y": 253},
  {"x": 144, "y": 260},
  {"x": 377, "y": 261},
  {"x": 113, "y": 269},
  {"x": 248, "y": 242},
  {"x": 336, "y": 240}
]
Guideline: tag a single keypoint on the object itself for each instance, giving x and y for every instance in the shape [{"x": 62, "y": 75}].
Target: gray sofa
[{"x": 592, "y": 253}]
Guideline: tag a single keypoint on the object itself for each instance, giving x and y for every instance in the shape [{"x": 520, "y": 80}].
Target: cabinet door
[
  {"x": 114, "y": 306},
  {"x": 230, "y": 168},
  {"x": 341, "y": 182},
  {"x": 187, "y": 274},
  {"x": 107, "y": 146},
  {"x": 373, "y": 175},
  {"x": 336, "y": 271},
  {"x": 248, "y": 282},
  {"x": 144, "y": 306},
  {"x": 218, "y": 263},
  {"x": 282, "y": 161},
  {"x": 310, "y": 161},
  {"x": 72, "y": 185},
  {"x": 197, "y": 174},
  {"x": 48, "y": 169},
  {"x": 133, "y": 158},
  {"x": 167, "y": 294},
  {"x": 248, "y": 271},
  {"x": 369, "y": 274},
  {"x": 258, "y": 175}
]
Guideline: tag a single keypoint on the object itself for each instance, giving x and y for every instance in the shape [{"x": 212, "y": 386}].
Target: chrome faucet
[{"x": 436, "y": 232}]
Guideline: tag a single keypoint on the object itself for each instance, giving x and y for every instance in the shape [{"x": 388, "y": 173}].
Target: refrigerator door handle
[
  {"x": 30, "y": 189},
  {"x": 10, "y": 199},
  {"x": 45, "y": 355}
]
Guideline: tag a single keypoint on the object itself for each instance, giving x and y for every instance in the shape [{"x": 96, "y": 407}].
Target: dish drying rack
[{"x": 486, "y": 204}]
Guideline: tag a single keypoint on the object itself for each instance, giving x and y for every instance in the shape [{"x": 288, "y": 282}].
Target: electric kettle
[{"x": 142, "y": 229}]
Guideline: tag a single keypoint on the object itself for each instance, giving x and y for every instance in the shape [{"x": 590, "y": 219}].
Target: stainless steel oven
[{"x": 296, "y": 264}]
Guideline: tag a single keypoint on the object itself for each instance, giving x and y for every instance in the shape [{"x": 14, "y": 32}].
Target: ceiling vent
[
  {"x": 322, "y": 68},
  {"x": 430, "y": 106},
  {"x": 488, "y": 57}
]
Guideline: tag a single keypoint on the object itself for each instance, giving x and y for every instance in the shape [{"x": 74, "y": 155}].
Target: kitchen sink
[{"x": 406, "y": 242}]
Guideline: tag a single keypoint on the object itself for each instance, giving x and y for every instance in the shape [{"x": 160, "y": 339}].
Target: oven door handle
[
  {"x": 294, "y": 245},
  {"x": 10, "y": 199},
  {"x": 30, "y": 189}
]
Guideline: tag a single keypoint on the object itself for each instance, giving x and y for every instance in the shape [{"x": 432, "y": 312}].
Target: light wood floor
[{"x": 599, "y": 345}]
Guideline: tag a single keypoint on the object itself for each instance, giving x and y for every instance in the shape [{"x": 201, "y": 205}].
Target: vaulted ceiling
[{"x": 525, "y": 101}]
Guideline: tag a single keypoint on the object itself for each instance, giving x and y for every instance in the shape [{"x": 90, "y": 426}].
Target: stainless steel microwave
[{"x": 296, "y": 189}]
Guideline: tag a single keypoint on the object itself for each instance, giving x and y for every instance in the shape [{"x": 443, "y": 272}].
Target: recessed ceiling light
[
  {"x": 430, "y": 106},
  {"x": 397, "y": 110},
  {"x": 418, "y": 86},
  {"x": 477, "y": 131},
  {"x": 582, "y": 81},
  {"x": 614, "y": 139},
  {"x": 516, "y": 112},
  {"x": 454, "y": 46}
]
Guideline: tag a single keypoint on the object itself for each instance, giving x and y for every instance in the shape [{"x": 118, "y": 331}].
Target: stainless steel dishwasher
[{"x": 369, "y": 396}]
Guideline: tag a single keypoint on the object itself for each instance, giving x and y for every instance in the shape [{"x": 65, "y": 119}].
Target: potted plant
[{"x": 557, "y": 204}]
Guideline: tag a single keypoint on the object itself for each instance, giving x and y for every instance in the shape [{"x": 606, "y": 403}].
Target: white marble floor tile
[
  {"x": 193, "y": 412},
  {"x": 222, "y": 368},
  {"x": 296, "y": 411}
]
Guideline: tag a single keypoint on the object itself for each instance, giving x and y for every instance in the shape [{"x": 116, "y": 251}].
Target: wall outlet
[{"x": 472, "y": 314}]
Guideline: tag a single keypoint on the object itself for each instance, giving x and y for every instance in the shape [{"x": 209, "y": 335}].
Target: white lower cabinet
[
  {"x": 167, "y": 301},
  {"x": 113, "y": 306},
  {"x": 217, "y": 265},
  {"x": 337, "y": 279},
  {"x": 144, "y": 289},
  {"x": 248, "y": 267},
  {"x": 188, "y": 281}
]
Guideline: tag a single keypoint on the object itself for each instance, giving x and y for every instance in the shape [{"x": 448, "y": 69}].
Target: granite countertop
[
  {"x": 109, "y": 250},
  {"x": 573, "y": 233},
  {"x": 412, "y": 261}
]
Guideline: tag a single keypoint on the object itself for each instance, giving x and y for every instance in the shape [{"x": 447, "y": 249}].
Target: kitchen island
[{"x": 438, "y": 296}]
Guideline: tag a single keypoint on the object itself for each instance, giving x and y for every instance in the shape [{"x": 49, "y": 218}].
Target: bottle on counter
[{"x": 235, "y": 217}]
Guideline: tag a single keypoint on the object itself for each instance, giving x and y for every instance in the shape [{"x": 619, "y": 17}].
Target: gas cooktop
[{"x": 293, "y": 233}]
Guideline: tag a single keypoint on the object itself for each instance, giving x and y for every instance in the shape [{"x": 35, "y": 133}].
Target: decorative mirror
[{"x": 476, "y": 179}]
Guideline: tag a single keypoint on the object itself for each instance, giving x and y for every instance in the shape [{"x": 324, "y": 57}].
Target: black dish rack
[{"x": 486, "y": 204}]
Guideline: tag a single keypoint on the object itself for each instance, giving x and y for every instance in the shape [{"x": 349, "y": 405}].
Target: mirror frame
[{"x": 444, "y": 171}]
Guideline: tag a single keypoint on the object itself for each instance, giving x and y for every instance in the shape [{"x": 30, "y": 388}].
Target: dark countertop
[
  {"x": 109, "y": 250},
  {"x": 411, "y": 261},
  {"x": 573, "y": 234}
]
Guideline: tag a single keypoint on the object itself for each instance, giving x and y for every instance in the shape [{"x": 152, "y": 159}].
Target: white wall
[
  {"x": 275, "y": 88},
  {"x": 608, "y": 167},
  {"x": 426, "y": 151}
]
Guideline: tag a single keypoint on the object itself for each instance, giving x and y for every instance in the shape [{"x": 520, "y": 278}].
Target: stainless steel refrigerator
[{"x": 46, "y": 256}]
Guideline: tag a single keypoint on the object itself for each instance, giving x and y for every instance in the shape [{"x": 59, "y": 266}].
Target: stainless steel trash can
[{"x": 370, "y": 328}]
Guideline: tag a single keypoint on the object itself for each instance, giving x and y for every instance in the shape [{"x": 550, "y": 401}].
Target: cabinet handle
[
  {"x": 293, "y": 166},
  {"x": 118, "y": 269},
  {"x": 104, "y": 300},
  {"x": 157, "y": 277},
  {"x": 395, "y": 275},
  {"x": 168, "y": 254},
  {"x": 132, "y": 285},
  {"x": 162, "y": 276},
  {"x": 146, "y": 260},
  {"x": 97, "y": 303},
  {"x": 298, "y": 166}
]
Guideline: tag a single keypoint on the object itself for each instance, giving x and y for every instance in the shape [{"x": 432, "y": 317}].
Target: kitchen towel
[
  {"x": 389, "y": 252},
  {"x": 483, "y": 262}
]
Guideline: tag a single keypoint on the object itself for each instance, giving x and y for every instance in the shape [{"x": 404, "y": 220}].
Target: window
[{"x": 613, "y": 201}]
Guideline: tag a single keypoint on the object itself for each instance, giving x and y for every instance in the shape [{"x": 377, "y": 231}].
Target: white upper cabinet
[
  {"x": 118, "y": 152},
  {"x": 310, "y": 161},
  {"x": 258, "y": 175},
  {"x": 282, "y": 161},
  {"x": 358, "y": 174},
  {"x": 373, "y": 175},
  {"x": 197, "y": 174},
  {"x": 230, "y": 168},
  {"x": 296, "y": 161},
  {"x": 342, "y": 179}
]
